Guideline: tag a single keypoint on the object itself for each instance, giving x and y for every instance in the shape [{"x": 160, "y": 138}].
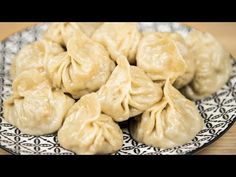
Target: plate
[{"x": 217, "y": 110}]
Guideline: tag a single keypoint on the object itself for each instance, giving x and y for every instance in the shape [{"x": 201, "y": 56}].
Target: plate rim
[
  {"x": 214, "y": 140},
  {"x": 188, "y": 153}
]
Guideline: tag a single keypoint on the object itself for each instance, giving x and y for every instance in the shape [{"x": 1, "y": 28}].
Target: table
[{"x": 224, "y": 32}]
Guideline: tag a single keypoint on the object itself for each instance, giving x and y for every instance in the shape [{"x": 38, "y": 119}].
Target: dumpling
[
  {"x": 159, "y": 57},
  {"x": 61, "y": 32},
  {"x": 121, "y": 37},
  {"x": 89, "y": 27},
  {"x": 171, "y": 122},
  {"x": 35, "y": 108},
  {"x": 143, "y": 93},
  {"x": 34, "y": 56},
  {"x": 54, "y": 34},
  {"x": 70, "y": 29},
  {"x": 83, "y": 68},
  {"x": 187, "y": 55},
  {"x": 128, "y": 92},
  {"x": 87, "y": 131},
  {"x": 213, "y": 65}
]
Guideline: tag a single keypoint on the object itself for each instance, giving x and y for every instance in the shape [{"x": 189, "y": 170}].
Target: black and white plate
[{"x": 217, "y": 110}]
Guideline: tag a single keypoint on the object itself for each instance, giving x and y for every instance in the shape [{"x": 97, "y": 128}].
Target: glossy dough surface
[
  {"x": 173, "y": 121},
  {"x": 159, "y": 57},
  {"x": 35, "y": 108},
  {"x": 187, "y": 55},
  {"x": 213, "y": 66},
  {"x": 87, "y": 131},
  {"x": 83, "y": 68},
  {"x": 121, "y": 37},
  {"x": 62, "y": 32},
  {"x": 128, "y": 92},
  {"x": 34, "y": 56}
]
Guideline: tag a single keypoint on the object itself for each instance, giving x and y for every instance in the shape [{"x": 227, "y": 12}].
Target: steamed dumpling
[
  {"x": 84, "y": 68},
  {"x": 89, "y": 27},
  {"x": 128, "y": 92},
  {"x": 121, "y": 37},
  {"x": 159, "y": 57},
  {"x": 213, "y": 66},
  {"x": 70, "y": 29},
  {"x": 61, "y": 32},
  {"x": 87, "y": 131},
  {"x": 35, "y": 108},
  {"x": 143, "y": 93},
  {"x": 187, "y": 55},
  {"x": 34, "y": 56},
  {"x": 171, "y": 122},
  {"x": 54, "y": 34}
]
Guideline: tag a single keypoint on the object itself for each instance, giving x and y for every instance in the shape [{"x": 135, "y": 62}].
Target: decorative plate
[{"x": 217, "y": 110}]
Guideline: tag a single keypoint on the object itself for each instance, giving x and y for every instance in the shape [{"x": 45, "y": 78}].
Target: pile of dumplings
[{"x": 82, "y": 79}]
